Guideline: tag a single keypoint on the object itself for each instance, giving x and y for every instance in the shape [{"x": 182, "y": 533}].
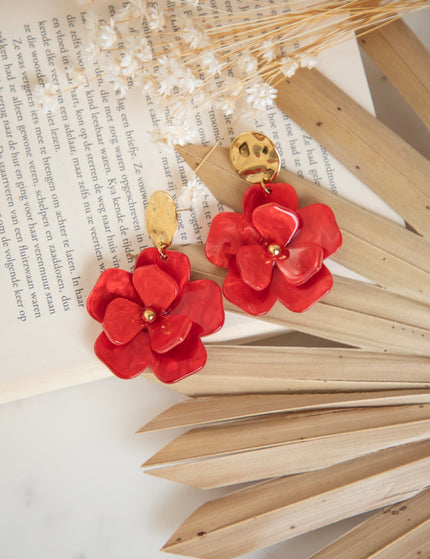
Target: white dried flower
[
  {"x": 169, "y": 64},
  {"x": 247, "y": 64},
  {"x": 175, "y": 134},
  {"x": 234, "y": 86},
  {"x": 166, "y": 86},
  {"x": 112, "y": 67},
  {"x": 107, "y": 35},
  {"x": 129, "y": 65},
  {"x": 184, "y": 21},
  {"x": 194, "y": 37},
  {"x": 46, "y": 96},
  {"x": 189, "y": 82},
  {"x": 268, "y": 51},
  {"x": 169, "y": 74},
  {"x": 260, "y": 96},
  {"x": 192, "y": 194},
  {"x": 191, "y": 73},
  {"x": 308, "y": 61},
  {"x": 288, "y": 66},
  {"x": 139, "y": 48},
  {"x": 211, "y": 64},
  {"x": 123, "y": 14},
  {"x": 183, "y": 134},
  {"x": 200, "y": 97},
  {"x": 137, "y": 8},
  {"x": 120, "y": 85},
  {"x": 92, "y": 52},
  {"x": 156, "y": 19},
  {"x": 145, "y": 81},
  {"x": 227, "y": 104}
]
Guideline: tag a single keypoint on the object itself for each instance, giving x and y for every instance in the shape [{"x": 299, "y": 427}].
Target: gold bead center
[
  {"x": 149, "y": 315},
  {"x": 275, "y": 250}
]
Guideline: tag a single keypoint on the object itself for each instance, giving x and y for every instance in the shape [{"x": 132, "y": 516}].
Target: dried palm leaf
[
  {"x": 402, "y": 531},
  {"x": 279, "y": 509}
]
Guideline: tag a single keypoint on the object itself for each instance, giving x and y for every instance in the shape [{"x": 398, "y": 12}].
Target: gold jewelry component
[
  {"x": 255, "y": 158},
  {"x": 149, "y": 315},
  {"x": 161, "y": 220},
  {"x": 275, "y": 250},
  {"x": 264, "y": 187}
]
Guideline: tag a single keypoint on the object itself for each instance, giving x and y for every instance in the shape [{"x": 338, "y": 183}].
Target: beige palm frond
[{"x": 303, "y": 419}]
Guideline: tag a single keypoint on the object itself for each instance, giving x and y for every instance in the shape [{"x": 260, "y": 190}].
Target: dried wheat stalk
[{"x": 198, "y": 54}]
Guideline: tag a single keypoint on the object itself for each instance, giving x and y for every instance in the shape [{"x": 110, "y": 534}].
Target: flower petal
[
  {"x": 300, "y": 298},
  {"x": 176, "y": 264},
  {"x": 156, "y": 288},
  {"x": 125, "y": 361},
  {"x": 318, "y": 225},
  {"x": 224, "y": 238},
  {"x": 255, "y": 266},
  {"x": 282, "y": 194},
  {"x": 122, "y": 320},
  {"x": 111, "y": 284},
  {"x": 201, "y": 301},
  {"x": 275, "y": 224},
  {"x": 303, "y": 262},
  {"x": 183, "y": 360},
  {"x": 168, "y": 331},
  {"x": 250, "y": 300}
]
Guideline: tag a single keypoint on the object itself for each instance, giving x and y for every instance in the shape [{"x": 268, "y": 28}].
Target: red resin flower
[
  {"x": 155, "y": 317},
  {"x": 274, "y": 250}
]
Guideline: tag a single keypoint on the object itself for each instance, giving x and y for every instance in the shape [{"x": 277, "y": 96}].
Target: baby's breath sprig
[{"x": 188, "y": 56}]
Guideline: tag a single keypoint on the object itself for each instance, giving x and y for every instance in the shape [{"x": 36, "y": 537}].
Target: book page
[{"x": 75, "y": 183}]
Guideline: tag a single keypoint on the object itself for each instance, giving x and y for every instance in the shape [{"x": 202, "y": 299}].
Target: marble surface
[
  {"x": 70, "y": 482},
  {"x": 71, "y": 486}
]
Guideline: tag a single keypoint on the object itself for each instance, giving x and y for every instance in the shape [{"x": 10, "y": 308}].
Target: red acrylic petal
[
  {"x": 111, "y": 284},
  {"x": 318, "y": 225},
  {"x": 176, "y": 264},
  {"x": 302, "y": 263},
  {"x": 282, "y": 194},
  {"x": 201, "y": 301},
  {"x": 123, "y": 320},
  {"x": 157, "y": 289},
  {"x": 183, "y": 360},
  {"x": 250, "y": 300},
  {"x": 301, "y": 298},
  {"x": 255, "y": 266},
  {"x": 275, "y": 224},
  {"x": 253, "y": 197},
  {"x": 224, "y": 238},
  {"x": 168, "y": 331},
  {"x": 125, "y": 361}
]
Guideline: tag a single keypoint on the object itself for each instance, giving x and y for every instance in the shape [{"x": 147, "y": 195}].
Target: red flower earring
[
  {"x": 154, "y": 317},
  {"x": 274, "y": 250}
]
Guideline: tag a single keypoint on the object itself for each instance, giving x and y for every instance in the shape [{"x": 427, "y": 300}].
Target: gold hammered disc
[
  {"x": 255, "y": 158},
  {"x": 161, "y": 219}
]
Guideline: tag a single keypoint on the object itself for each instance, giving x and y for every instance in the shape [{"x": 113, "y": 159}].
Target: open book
[{"x": 75, "y": 183}]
